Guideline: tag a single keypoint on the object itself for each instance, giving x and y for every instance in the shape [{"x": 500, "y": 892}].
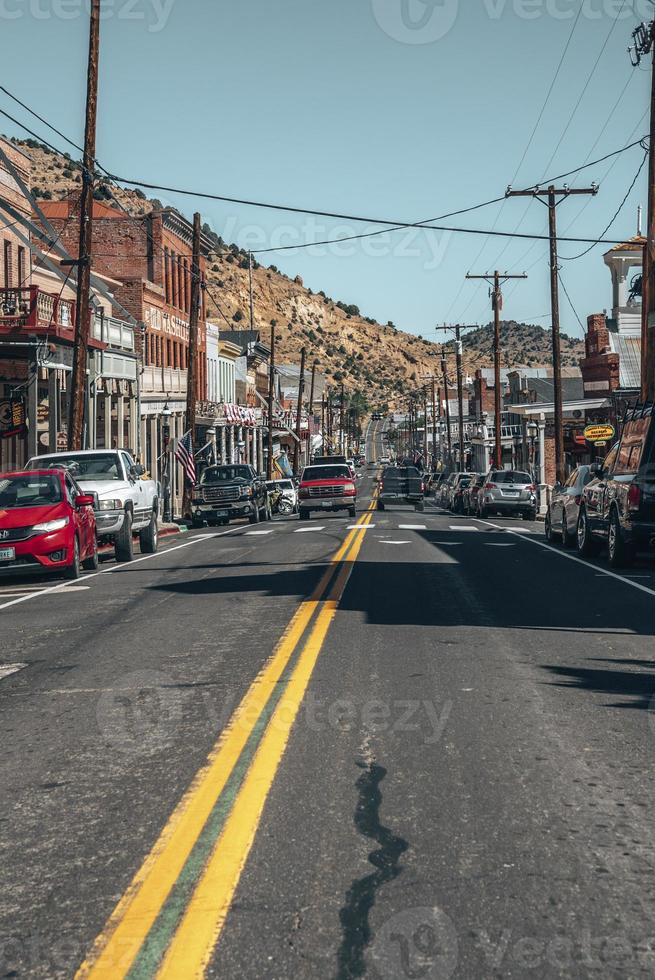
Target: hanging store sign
[{"x": 597, "y": 433}]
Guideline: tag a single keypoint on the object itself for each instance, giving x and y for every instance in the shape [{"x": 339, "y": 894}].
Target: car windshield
[
  {"x": 326, "y": 473},
  {"x": 225, "y": 474},
  {"x": 510, "y": 476},
  {"x": 93, "y": 467},
  {"x": 29, "y": 491}
]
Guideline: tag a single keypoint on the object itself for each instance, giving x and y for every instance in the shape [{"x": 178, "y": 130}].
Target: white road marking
[
  {"x": 580, "y": 561},
  {"x": 463, "y": 527},
  {"x": 382, "y": 541},
  {"x": 78, "y": 588},
  {"x": 304, "y": 530},
  {"x": 119, "y": 568},
  {"x": 412, "y": 527},
  {"x": 499, "y": 544},
  {"x": 7, "y": 669},
  {"x": 449, "y": 544},
  {"x": 361, "y": 527},
  {"x": 258, "y": 533}
]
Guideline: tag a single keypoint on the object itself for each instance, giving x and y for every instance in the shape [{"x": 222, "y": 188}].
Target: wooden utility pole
[
  {"x": 83, "y": 306},
  {"x": 496, "y": 281},
  {"x": 252, "y": 306},
  {"x": 457, "y": 330},
  {"x": 192, "y": 360},
  {"x": 342, "y": 415},
  {"x": 434, "y": 424},
  {"x": 310, "y": 407},
  {"x": 301, "y": 392},
  {"x": 643, "y": 44},
  {"x": 425, "y": 427},
  {"x": 444, "y": 374},
  {"x": 271, "y": 405},
  {"x": 554, "y": 196},
  {"x": 323, "y": 429}
]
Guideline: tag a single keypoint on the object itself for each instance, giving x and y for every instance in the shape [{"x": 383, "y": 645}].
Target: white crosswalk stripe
[{"x": 7, "y": 669}]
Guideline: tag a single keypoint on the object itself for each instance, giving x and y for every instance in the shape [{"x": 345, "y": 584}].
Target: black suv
[
  {"x": 229, "y": 491},
  {"x": 618, "y": 505}
]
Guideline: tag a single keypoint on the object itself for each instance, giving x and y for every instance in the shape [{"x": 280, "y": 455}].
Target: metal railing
[
  {"x": 163, "y": 380},
  {"x": 115, "y": 333}
]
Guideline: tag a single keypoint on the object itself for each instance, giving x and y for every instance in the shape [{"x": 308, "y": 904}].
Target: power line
[{"x": 571, "y": 258}]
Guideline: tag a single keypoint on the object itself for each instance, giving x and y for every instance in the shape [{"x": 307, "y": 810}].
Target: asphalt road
[{"x": 410, "y": 745}]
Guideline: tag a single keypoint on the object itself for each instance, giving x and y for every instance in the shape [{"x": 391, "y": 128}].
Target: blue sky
[{"x": 399, "y": 109}]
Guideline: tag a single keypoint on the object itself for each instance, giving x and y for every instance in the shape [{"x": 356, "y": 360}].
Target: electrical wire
[
  {"x": 566, "y": 293},
  {"x": 571, "y": 258}
]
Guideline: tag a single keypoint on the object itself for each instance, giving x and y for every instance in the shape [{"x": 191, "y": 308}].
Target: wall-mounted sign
[
  {"x": 13, "y": 418},
  {"x": 599, "y": 433}
]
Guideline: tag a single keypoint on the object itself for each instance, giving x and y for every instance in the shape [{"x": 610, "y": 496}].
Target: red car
[
  {"x": 46, "y": 523},
  {"x": 327, "y": 488}
]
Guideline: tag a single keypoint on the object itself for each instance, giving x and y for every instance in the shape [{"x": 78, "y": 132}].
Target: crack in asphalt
[{"x": 360, "y": 897}]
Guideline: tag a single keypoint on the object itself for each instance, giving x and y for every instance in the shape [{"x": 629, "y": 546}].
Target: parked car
[
  {"x": 384, "y": 460},
  {"x": 508, "y": 492},
  {"x": 401, "y": 485},
  {"x": 456, "y": 488},
  {"x": 283, "y": 496},
  {"x": 443, "y": 497},
  {"x": 47, "y": 523},
  {"x": 124, "y": 502},
  {"x": 618, "y": 504},
  {"x": 438, "y": 481},
  {"x": 471, "y": 494},
  {"x": 230, "y": 491},
  {"x": 327, "y": 488},
  {"x": 561, "y": 521}
]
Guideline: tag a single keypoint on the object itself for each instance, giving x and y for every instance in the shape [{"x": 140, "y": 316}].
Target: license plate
[
  {"x": 220, "y": 513},
  {"x": 511, "y": 493},
  {"x": 326, "y": 503},
  {"x": 7, "y": 554}
]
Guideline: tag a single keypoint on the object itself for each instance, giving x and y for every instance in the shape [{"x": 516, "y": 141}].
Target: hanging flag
[{"x": 184, "y": 455}]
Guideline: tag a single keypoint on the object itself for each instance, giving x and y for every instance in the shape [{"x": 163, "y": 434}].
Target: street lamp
[{"x": 532, "y": 431}]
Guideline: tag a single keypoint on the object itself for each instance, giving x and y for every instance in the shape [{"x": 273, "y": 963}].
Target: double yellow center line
[{"x": 171, "y": 916}]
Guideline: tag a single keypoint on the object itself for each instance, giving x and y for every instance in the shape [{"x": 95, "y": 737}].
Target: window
[
  {"x": 22, "y": 268},
  {"x": 632, "y": 447},
  {"x": 7, "y": 265}
]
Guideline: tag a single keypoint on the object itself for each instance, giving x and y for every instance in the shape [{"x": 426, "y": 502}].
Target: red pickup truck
[{"x": 327, "y": 488}]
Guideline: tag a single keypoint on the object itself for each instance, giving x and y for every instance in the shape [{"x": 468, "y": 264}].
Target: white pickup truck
[{"x": 125, "y": 503}]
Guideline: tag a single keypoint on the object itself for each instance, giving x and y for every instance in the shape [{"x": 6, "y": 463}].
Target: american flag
[{"x": 184, "y": 455}]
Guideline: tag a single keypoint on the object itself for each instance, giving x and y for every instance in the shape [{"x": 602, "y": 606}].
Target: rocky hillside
[{"x": 377, "y": 359}]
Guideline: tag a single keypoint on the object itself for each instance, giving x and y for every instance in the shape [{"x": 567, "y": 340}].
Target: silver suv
[{"x": 508, "y": 492}]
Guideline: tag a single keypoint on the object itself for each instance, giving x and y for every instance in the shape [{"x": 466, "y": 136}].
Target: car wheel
[
  {"x": 149, "y": 536},
  {"x": 548, "y": 527},
  {"x": 420, "y": 507},
  {"x": 619, "y": 552},
  {"x": 196, "y": 523},
  {"x": 304, "y": 514},
  {"x": 124, "y": 541},
  {"x": 588, "y": 547},
  {"x": 90, "y": 564},
  {"x": 482, "y": 512},
  {"x": 74, "y": 570},
  {"x": 254, "y": 517},
  {"x": 352, "y": 512},
  {"x": 380, "y": 506}
]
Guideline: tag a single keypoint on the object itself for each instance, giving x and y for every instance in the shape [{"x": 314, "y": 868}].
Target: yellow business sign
[{"x": 599, "y": 433}]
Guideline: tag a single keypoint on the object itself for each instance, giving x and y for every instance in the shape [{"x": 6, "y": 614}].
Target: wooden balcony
[{"x": 30, "y": 310}]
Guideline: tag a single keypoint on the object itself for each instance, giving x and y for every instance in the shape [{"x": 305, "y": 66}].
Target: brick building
[{"x": 150, "y": 257}]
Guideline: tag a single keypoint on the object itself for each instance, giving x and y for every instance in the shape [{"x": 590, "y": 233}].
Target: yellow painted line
[
  {"x": 202, "y": 923},
  {"x": 116, "y": 947}
]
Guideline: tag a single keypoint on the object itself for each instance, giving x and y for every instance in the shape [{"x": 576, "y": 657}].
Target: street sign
[
  {"x": 599, "y": 432},
  {"x": 13, "y": 418}
]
